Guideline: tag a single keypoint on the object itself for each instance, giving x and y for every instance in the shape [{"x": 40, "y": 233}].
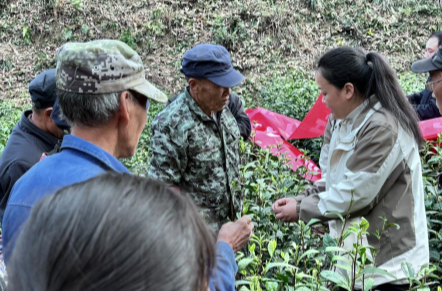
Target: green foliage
[
  {"x": 84, "y": 29},
  {"x": 290, "y": 92},
  {"x": 10, "y": 114},
  {"x": 275, "y": 44},
  {"x": 264, "y": 37},
  {"x": 6, "y": 64},
  {"x": 154, "y": 25},
  {"x": 128, "y": 38},
  {"x": 431, "y": 166},
  {"x": 77, "y": 4},
  {"x": 296, "y": 256},
  {"x": 26, "y": 34},
  {"x": 228, "y": 31},
  {"x": 67, "y": 34}
]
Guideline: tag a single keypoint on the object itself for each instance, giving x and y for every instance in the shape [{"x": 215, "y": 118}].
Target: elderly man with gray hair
[{"x": 104, "y": 96}]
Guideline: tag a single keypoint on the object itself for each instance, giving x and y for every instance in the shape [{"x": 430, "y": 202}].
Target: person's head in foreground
[
  {"x": 433, "y": 43},
  {"x": 432, "y": 65},
  {"x": 101, "y": 87},
  {"x": 210, "y": 75},
  {"x": 113, "y": 232},
  {"x": 349, "y": 76}
]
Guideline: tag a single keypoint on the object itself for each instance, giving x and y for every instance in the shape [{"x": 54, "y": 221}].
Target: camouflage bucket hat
[{"x": 103, "y": 66}]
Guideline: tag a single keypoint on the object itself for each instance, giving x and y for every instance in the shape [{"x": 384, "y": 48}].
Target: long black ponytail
[{"x": 370, "y": 74}]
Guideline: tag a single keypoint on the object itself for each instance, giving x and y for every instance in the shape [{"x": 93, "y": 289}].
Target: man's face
[
  {"x": 49, "y": 124},
  {"x": 437, "y": 88},
  {"x": 54, "y": 130},
  {"x": 209, "y": 96},
  {"x": 138, "y": 118},
  {"x": 431, "y": 47}
]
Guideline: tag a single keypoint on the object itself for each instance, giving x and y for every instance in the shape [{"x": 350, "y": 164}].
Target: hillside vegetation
[
  {"x": 275, "y": 44},
  {"x": 265, "y": 37}
]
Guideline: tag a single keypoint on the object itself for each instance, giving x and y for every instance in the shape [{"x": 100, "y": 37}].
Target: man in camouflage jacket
[{"x": 195, "y": 140}]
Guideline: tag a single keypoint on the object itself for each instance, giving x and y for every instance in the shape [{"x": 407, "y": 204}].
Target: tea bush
[
  {"x": 296, "y": 256},
  {"x": 9, "y": 115}
]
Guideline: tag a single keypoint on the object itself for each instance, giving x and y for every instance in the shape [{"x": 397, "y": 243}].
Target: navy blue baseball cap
[
  {"x": 42, "y": 89},
  {"x": 428, "y": 65},
  {"x": 57, "y": 117},
  {"x": 211, "y": 62}
]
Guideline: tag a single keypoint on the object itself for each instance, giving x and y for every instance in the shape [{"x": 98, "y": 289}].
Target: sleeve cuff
[{"x": 224, "y": 250}]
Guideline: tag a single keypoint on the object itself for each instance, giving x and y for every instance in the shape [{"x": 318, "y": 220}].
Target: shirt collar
[{"x": 71, "y": 142}]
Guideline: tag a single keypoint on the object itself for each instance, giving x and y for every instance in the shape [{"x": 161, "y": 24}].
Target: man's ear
[
  {"x": 193, "y": 84},
  {"x": 47, "y": 112},
  {"x": 125, "y": 106},
  {"x": 349, "y": 91}
]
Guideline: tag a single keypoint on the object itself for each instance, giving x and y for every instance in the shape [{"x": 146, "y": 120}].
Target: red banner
[
  {"x": 431, "y": 128},
  {"x": 272, "y": 130}
]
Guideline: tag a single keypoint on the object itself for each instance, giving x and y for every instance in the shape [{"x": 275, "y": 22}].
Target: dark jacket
[
  {"x": 237, "y": 109},
  {"x": 424, "y": 104},
  {"x": 25, "y": 147}
]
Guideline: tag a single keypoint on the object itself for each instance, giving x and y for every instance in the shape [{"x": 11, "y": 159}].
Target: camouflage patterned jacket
[{"x": 190, "y": 151}]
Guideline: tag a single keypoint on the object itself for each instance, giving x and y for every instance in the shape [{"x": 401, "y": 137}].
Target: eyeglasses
[
  {"x": 140, "y": 99},
  {"x": 430, "y": 85}
]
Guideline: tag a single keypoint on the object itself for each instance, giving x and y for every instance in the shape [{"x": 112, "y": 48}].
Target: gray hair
[
  {"x": 88, "y": 109},
  {"x": 113, "y": 232}
]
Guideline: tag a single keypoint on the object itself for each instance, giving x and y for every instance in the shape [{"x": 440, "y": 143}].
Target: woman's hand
[{"x": 285, "y": 209}]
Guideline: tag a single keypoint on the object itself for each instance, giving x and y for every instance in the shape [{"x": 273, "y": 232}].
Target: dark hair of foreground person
[{"x": 113, "y": 232}]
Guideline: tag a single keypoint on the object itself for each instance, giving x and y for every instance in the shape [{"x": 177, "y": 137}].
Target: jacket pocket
[
  {"x": 203, "y": 150},
  {"x": 346, "y": 145}
]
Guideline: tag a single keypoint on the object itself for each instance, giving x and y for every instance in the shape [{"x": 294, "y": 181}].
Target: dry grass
[{"x": 263, "y": 36}]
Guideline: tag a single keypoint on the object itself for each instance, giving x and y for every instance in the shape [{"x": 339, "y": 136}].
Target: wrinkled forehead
[{"x": 433, "y": 43}]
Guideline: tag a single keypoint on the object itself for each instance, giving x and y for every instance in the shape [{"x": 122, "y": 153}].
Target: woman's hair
[
  {"x": 370, "y": 74},
  {"x": 438, "y": 35},
  {"x": 113, "y": 232}
]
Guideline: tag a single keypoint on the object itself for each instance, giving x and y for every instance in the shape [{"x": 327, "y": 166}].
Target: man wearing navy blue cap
[
  {"x": 236, "y": 107},
  {"x": 195, "y": 140},
  {"x": 433, "y": 66},
  {"x": 35, "y": 134}
]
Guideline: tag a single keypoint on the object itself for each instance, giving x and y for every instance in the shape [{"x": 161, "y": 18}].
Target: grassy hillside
[
  {"x": 275, "y": 44},
  {"x": 265, "y": 37}
]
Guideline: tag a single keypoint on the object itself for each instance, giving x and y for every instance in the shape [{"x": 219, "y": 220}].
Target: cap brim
[
  {"x": 228, "y": 81},
  {"x": 61, "y": 123},
  {"x": 151, "y": 92},
  {"x": 55, "y": 116},
  {"x": 424, "y": 66}
]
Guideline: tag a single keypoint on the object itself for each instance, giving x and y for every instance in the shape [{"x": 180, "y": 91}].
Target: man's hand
[
  {"x": 285, "y": 209},
  {"x": 236, "y": 234}
]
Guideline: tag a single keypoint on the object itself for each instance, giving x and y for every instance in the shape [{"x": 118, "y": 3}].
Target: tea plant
[{"x": 298, "y": 256}]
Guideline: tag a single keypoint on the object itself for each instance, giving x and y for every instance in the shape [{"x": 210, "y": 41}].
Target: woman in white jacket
[{"x": 371, "y": 152}]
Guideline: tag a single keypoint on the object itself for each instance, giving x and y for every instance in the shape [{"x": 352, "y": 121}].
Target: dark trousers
[{"x": 388, "y": 287}]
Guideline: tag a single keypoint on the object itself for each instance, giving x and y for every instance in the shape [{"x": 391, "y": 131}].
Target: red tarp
[
  {"x": 272, "y": 129},
  {"x": 431, "y": 128}
]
